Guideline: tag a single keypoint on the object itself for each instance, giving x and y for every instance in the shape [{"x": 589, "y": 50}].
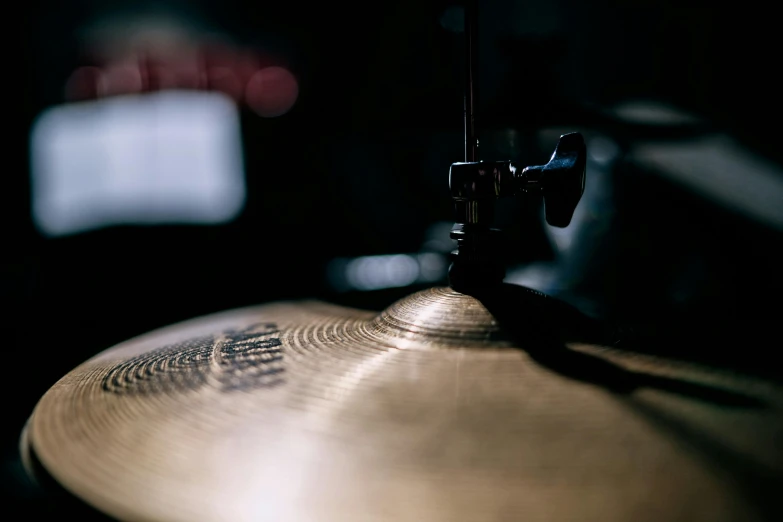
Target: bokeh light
[
  {"x": 121, "y": 79},
  {"x": 84, "y": 84},
  {"x": 249, "y": 77},
  {"x": 272, "y": 92},
  {"x": 225, "y": 80}
]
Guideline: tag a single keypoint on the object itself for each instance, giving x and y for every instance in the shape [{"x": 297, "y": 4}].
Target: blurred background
[{"x": 176, "y": 158}]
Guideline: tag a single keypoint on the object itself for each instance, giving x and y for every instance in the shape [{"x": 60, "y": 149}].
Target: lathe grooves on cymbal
[{"x": 314, "y": 411}]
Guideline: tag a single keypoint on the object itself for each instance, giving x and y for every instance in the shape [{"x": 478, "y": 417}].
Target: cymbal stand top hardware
[{"x": 476, "y": 185}]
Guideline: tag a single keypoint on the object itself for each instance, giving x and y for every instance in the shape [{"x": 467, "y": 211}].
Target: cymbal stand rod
[{"x": 471, "y": 67}]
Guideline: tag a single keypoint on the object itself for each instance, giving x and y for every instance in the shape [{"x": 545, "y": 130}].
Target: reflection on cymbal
[{"x": 441, "y": 407}]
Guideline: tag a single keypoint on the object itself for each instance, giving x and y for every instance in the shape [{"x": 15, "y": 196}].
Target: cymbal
[{"x": 433, "y": 409}]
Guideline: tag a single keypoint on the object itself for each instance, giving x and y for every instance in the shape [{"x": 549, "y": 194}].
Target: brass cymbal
[{"x": 429, "y": 410}]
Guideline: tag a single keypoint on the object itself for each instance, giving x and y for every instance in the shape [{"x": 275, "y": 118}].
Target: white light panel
[{"x": 171, "y": 157}]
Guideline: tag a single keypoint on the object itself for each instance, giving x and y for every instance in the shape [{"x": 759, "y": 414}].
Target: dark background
[{"x": 359, "y": 167}]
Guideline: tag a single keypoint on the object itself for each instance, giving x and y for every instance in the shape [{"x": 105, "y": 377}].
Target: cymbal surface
[{"x": 427, "y": 411}]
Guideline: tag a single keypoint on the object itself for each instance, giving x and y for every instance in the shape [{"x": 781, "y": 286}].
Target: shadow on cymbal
[
  {"x": 756, "y": 479},
  {"x": 542, "y": 325}
]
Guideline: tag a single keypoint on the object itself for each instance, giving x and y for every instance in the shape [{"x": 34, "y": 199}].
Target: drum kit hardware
[{"x": 476, "y": 401}]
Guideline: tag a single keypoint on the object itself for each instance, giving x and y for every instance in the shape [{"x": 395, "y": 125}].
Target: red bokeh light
[
  {"x": 121, "y": 79},
  {"x": 249, "y": 77},
  {"x": 160, "y": 77},
  {"x": 84, "y": 84},
  {"x": 272, "y": 91},
  {"x": 225, "y": 80}
]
